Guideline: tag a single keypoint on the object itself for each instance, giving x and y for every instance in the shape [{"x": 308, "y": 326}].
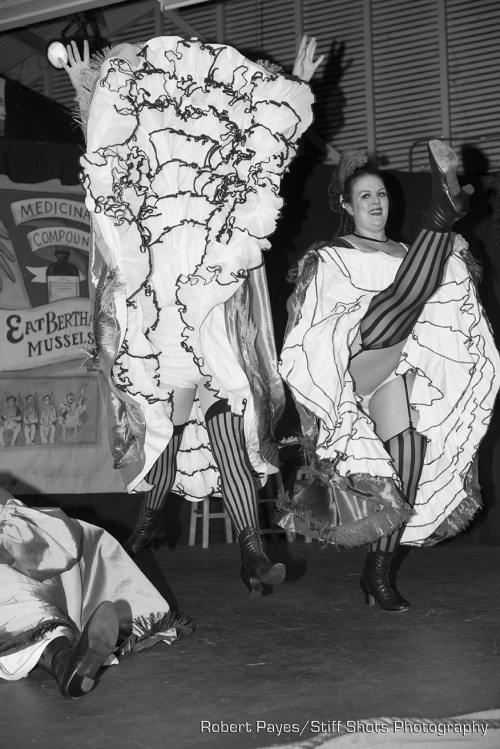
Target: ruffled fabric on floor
[{"x": 65, "y": 588}]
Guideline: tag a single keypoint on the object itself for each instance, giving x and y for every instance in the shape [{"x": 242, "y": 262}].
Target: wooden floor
[{"x": 310, "y": 650}]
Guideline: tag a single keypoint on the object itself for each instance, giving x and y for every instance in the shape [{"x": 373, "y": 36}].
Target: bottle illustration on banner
[{"x": 63, "y": 279}]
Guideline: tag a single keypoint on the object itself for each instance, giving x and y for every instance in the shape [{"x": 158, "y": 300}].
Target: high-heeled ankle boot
[
  {"x": 256, "y": 568},
  {"x": 149, "y": 531},
  {"x": 74, "y": 665},
  {"x": 376, "y": 584},
  {"x": 449, "y": 202}
]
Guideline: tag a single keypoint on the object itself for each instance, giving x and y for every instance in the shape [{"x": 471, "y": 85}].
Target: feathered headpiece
[{"x": 350, "y": 160}]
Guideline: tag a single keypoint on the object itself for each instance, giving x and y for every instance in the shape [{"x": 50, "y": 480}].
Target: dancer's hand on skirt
[
  {"x": 458, "y": 244},
  {"x": 305, "y": 67}
]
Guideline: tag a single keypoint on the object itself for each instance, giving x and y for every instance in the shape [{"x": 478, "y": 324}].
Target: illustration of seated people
[
  {"x": 30, "y": 420},
  {"x": 10, "y": 422},
  {"x": 71, "y": 413},
  {"x": 48, "y": 419}
]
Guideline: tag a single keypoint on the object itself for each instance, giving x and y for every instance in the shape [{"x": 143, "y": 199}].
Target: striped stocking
[
  {"x": 162, "y": 474},
  {"x": 239, "y": 491},
  {"x": 407, "y": 450},
  {"x": 393, "y": 312}
]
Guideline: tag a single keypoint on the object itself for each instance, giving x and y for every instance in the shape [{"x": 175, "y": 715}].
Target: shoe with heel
[
  {"x": 257, "y": 569},
  {"x": 376, "y": 583},
  {"x": 149, "y": 532},
  {"x": 74, "y": 665},
  {"x": 449, "y": 201}
]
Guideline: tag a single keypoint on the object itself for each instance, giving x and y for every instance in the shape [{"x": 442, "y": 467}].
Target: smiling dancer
[{"x": 393, "y": 367}]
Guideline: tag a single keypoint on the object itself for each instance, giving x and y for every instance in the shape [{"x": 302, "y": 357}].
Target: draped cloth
[
  {"x": 186, "y": 146},
  {"x": 55, "y": 571},
  {"x": 457, "y": 367}
]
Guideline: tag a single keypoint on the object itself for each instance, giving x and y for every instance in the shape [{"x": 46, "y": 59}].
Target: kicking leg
[{"x": 393, "y": 312}]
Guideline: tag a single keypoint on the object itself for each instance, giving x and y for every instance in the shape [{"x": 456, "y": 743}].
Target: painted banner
[{"x": 52, "y": 431}]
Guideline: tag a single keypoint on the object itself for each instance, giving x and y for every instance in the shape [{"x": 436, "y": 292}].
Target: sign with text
[{"x": 53, "y": 437}]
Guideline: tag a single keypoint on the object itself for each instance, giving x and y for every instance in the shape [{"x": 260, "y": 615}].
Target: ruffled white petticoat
[
  {"x": 186, "y": 146},
  {"x": 457, "y": 368}
]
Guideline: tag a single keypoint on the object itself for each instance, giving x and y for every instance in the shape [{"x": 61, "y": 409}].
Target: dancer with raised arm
[
  {"x": 186, "y": 146},
  {"x": 393, "y": 367}
]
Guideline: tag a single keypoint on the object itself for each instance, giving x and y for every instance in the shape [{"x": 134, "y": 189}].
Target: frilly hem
[
  {"x": 462, "y": 515},
  {"x": 157, "y": 627},
  {"x": 296, "y": 518}
]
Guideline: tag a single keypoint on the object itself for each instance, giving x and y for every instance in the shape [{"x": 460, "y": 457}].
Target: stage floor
[{"x": 309, "y": 653}]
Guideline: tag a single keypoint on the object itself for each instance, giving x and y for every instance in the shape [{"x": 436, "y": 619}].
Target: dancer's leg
[
  {"x": 74, "y": 665},
  {"x": 395, "y": 424},
  {"x": 149, "y": 529},
  {"x": 227, "y": 440},
  {"x": 393, "y": 312},
  {"x": 239, "y": 491},
  {"x": 162, "y": 474}
]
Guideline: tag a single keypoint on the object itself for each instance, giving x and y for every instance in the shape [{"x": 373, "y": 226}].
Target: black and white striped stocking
[
  {"x": 162, "y": 474},
  {"x": 239, "y": 490}
]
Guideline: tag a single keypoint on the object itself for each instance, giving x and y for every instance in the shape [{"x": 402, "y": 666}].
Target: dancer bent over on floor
[
  {"x": 186, "y": 146},
  {"x": 394, "y": 370},
  {"x": 71, "y": 599}
]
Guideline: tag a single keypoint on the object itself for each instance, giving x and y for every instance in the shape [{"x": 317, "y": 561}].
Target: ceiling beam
[
  {"x": 18, "y": 13},
  {"x": 38, "y": 43}
]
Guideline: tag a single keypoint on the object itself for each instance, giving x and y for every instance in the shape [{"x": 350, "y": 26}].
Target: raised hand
[
  {"x": 305, "y": 66},
  {"x": 75, "y": 67},
  {"x": 459, "y": 244}
]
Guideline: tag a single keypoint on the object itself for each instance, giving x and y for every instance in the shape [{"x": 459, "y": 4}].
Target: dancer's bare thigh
[
  {"x": 369, "y": 369},
  {"x": 389, "y": 407},
  {"x": 183, "y": 398}
]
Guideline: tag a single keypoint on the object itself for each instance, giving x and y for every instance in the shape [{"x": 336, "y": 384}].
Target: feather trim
[
  {"x": 301, "y": 276},
  {"x": 85, "y": 87},
  {"x": 473, "y": 266},
  {"x": 25, "y": 639},
  {"x": 271, "y": 67},
  {"x": 151, "y": 629},
  {"x": 109, "y": 286},
  {"x": 350, "y": 160}
]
